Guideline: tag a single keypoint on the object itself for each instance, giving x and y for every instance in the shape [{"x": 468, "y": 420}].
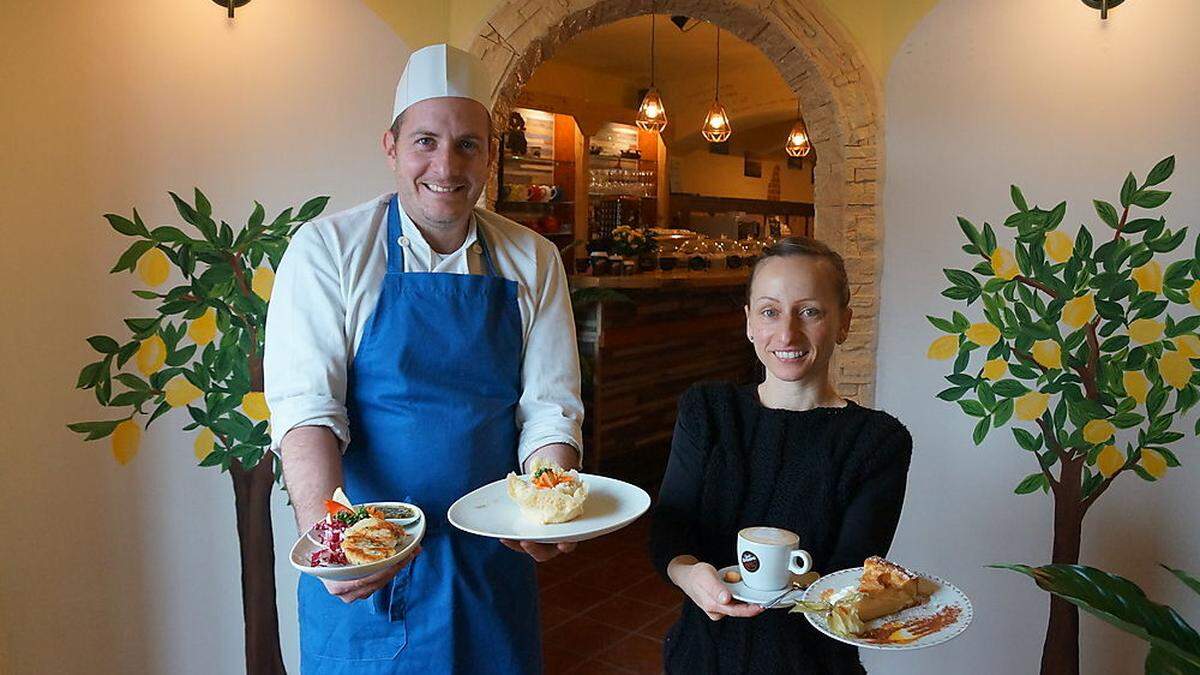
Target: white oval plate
[
  {"x": 741, "y": 591},
  {"x": 489, "y": 512},
  {"x": 946, "y": 595},
  {"x": 303, "y": 549}
]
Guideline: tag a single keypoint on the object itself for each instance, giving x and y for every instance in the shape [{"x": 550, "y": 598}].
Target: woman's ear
[{"x": 844, "y": 328}]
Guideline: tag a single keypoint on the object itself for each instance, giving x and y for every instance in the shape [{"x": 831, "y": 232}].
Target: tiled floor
[{"x": 604, "y": 609}]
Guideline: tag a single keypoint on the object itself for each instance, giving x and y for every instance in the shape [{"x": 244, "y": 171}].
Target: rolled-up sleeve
[
  {"x": 550, "y": 409},
  {"x": 305, "y": 361}
]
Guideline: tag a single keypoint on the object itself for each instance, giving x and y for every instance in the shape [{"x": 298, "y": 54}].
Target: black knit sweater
[{"x": 835, "y": 476}]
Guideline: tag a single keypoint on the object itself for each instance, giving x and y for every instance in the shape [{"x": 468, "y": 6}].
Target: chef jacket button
[
  {"x": 403, "y": 241},
  {"x": 477, "y": 249}
]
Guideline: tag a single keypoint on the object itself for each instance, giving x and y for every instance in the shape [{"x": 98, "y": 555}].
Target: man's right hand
[{"x": 349, "y": 591}]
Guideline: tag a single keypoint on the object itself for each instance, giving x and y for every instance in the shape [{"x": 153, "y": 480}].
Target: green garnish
[
  {"x": 545, "y": 469},
  {"x": 352, "y": 518}
]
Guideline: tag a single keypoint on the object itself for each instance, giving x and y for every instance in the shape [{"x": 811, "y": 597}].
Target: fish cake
[{"x": 371, "y": 540}]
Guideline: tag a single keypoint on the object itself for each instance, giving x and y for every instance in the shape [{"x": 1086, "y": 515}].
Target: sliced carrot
[{"x": 333, "y": 507}]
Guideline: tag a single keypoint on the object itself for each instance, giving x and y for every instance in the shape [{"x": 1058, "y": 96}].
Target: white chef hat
[{"x": 441, "y": 70}]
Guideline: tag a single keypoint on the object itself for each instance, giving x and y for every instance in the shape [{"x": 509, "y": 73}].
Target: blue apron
[{"x": 432, "y": 403}]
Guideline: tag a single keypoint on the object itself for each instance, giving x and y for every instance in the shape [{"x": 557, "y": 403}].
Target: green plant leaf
[
  {"x": 1119, "y": 602},
  {"x": 972, "y": 407},
  {"x": 1191, "y": 581},
  {"x": 1107, "y": 212},
  {"x": 129, "y": 259},
  {"x": 1031, "y": 483},
  {"x": 1150, "y": 199},
  {"x": 312, "y": 208},
  {"x": 125, "y": 226},
  {"x": 89, "y": 375},
  {"x": 1018, "y": 199},
  {"x": 202, "y": 204},
  {"x": 981, "y": 430},
  {"x": 94, "y": 430},
  {"x": 1026, "y": 440},
  {"x": 1127, "y": 420},
  {"x": 1127, "y": 189},
  {"x": 1002, "y": 413},
  {"x": 1162, "y": 662},
  {"x": 1161, "y": 171},
  {"x": 952, "y": 393},
  {"x": 104, "y": 344}
]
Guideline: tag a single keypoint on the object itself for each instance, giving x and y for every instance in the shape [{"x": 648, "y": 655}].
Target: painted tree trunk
[
  {"x": 1060, "y": 652},
  {"x": 252, "y": 498}
]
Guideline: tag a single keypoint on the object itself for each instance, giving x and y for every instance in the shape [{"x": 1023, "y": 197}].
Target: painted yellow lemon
[
  {"x": 125, "y": 441},
  {"x": 1149, "y": 277},
  {"x": 983, "y": 334},
  {"x": 203, "y": 328},
  {"x": 254, "y": 404},
  {"x": 1109, "y": 460},
  {"x": 1176, "y": 369},
  {"x": 1079, "y": 311},
  {"x": 1098, "y": 431},
  {"x": 1145, "y": 331},
  {"x": 153, "y": 267},
  {"x": 1048, "y": 353},
  {"x": 151, "y": 355},
  {"x": 943, "y": 348},
  {"x": 1030, "y": 406},
  {"x": 263, "y": 282},
  {"x": 1188, "y": 345},
  {"x": 180, "y": 392},
  {"x": 1194, "y": 294},
  {"x": 1153, "y": 463},
  {"x": 1004, "y": 264},
  {"x": 1058, "y": 246},
  {"x": 204, "y": 444},
  {"x": 1136, "y": 385},
  {"x": 995, "y": 369}
]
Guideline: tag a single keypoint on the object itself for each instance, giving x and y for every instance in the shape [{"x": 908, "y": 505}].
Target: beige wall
[
  {"x": 704, "y": 173},
  {"x": 1044, "y": 95},
  {"x": 106, "y": 106},
  {"x": 582, "y": 84}
]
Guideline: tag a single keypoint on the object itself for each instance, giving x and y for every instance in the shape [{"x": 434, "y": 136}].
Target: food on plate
[
  {"x": 732, "y": 576},
  {"x": 884, "y": 588},
  {"x": 353, "y": 535},
  {"x": 551, "y": 495}
]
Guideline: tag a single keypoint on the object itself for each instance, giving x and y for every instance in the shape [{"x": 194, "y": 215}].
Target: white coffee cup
[{"x": 768, "y": 556}]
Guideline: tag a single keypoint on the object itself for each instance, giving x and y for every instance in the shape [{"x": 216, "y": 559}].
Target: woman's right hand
[{"x": 700, "y": 582}]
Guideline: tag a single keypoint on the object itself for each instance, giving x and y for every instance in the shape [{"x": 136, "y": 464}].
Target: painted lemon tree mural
[
  {"x": 1087, "y": 347},
  {"x": 200, "y": 350}
]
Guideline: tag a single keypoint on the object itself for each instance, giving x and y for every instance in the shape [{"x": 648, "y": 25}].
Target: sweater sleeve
[
  {"x": 673, "y": 530},
  {"x": 876, "y": 487}
]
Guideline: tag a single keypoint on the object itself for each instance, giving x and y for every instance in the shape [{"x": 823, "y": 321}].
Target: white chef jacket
[{"x": 329, "y": 282}]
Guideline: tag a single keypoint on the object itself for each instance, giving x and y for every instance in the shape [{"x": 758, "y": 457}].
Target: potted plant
[
  {"x": 200, "y": 349},
  {"x": 633, "y": 244},
  {"x": 1087, "y": 347}
]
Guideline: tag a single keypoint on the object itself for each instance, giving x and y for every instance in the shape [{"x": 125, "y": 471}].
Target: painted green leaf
[
  {"x": 1027, "y": 440},
  {"x": 95, "y": 430},
  {"x": 1161, "y": 171},
  {"x": 88, "y": 376},
  {"x": 124, "y": 225},
  {"x": 103, "y": 344},
  {"x": 1127, "y": 189},
  {"x": 1107, "y": 212},
  {"x": 942, "y": 324},
  {"x": 202, "y": 204},
  {"x": 129, "y": 259},
  {"x": 1010, "y": 388},
  {"x": 1018, "y": 199},
  {"x": 952, "y": 393},
  {"x": 972, "y": 407},
  {"x": 1191, "y": 581},
  {"x": 312, "y": 208},
  {"x": 1150, "y": 199},
  {"x": 1127, "y": 420},
  {"x": 981, "y": 430},
  {"x": 1002, "y": 413},
  {"x": 1031, "y": 483}
]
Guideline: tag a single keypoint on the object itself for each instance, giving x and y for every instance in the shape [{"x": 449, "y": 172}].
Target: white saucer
[
  {"x": 741, "y": 591},
  {"x": 489, "y": 512}
]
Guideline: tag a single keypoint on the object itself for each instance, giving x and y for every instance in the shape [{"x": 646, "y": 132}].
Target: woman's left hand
[{"x": 700, "y": 582}]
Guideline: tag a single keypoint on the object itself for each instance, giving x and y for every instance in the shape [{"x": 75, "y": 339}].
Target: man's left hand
[{"x": 539, "y": 552}]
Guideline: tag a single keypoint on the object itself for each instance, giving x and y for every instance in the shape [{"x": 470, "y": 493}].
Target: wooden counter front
[{"x": 641, "y": 354}]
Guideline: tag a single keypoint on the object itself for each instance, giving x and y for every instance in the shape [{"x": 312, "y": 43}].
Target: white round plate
[
  {"x": 303, "y": 549},
  {"x": 489, "y": 512},
  {"x": 946, "y": 595},
  {"x": 741, "y": 591}
]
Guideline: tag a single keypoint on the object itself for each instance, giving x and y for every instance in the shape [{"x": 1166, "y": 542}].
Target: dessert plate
[
  {"x": 489, "y": 512},
  {"x": 948, "y": 602}
]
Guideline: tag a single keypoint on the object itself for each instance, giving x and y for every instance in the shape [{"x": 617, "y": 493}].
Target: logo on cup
[{"x": 750, "y": 561}]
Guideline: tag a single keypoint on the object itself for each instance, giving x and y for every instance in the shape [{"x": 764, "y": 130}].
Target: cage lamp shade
[
  {"x": 651, "y": 115},
  {"x": 798, "y": 143},
  {"x": 716, "y": 127}
]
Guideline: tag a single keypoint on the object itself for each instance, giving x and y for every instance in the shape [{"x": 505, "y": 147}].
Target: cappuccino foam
[{"x": 770, "y": 536}]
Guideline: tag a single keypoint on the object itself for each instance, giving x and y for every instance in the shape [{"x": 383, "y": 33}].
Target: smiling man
[{"x": 419, "y": 347}]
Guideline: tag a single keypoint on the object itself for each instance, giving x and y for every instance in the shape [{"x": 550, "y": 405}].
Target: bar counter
[{"x": 641, "y": 347}]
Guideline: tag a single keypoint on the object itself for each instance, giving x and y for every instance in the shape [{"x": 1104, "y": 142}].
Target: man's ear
[{"x": 389, "y": 148}]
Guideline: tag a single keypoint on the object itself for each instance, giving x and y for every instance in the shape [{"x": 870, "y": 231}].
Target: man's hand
[
  {"x": 349, "y": 591},
  {"x": 561, "y": 454},
  {"x": 539, "y": 552}
]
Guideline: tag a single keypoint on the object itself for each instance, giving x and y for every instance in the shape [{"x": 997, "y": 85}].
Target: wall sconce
[
  {"x": 1102, "y": 5},
  {"x": 231, "y": 4}
]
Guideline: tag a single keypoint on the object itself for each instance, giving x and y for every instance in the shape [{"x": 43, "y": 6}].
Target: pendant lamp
[
  {"x": 716, "y": 127},
  {"x": 798, "y": 144},
  {"x": 651, "y": 115},
  {"x": 231, "y": 5}
]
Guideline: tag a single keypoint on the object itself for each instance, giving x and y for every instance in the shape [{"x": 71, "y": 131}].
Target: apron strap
[{"x": 395, "y": 252}]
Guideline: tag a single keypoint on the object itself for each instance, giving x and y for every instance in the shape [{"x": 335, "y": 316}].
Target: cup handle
[{"x": 803, "y": 568}]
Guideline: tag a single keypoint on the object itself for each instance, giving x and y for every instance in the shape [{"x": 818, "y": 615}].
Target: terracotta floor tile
[
  {"x": 583, "y": 636},
  {"x": 597, "y": 667},
  {"x": 558, "y": 660},
  {"x": 656, "y": 592},
  {"x": 625, "y": 613},
  {"x": 552, "y": 615},
  {"x": 658, "y": 628},
  {"x": 574, "y": 596},
  {"x": 636, "y": 652}
]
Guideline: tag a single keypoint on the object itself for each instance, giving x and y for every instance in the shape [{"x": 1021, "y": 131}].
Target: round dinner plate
[
  {"x": 946, "y": 595},
  {"x": 741, "y": 591},
  {"x": 304, "y": 547},
  {"x": 489, "y": 512}
]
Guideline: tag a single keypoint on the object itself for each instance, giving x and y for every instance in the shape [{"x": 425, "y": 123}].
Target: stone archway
[{"x": 819, "y": 62}]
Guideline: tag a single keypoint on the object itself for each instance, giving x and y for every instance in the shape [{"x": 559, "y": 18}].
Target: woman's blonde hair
[{"x": 805, "y": 246}]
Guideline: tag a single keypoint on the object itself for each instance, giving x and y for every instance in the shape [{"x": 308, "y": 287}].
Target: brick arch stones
[{"x": 817, "y": 60}]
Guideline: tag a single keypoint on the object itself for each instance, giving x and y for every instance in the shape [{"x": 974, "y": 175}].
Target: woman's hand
[{"x": 700, "y": 582}]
